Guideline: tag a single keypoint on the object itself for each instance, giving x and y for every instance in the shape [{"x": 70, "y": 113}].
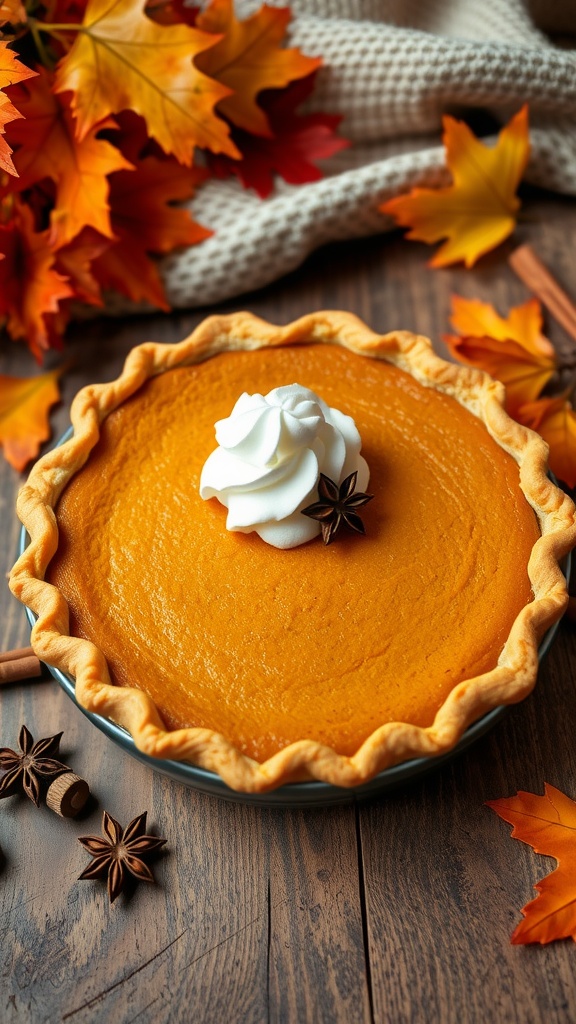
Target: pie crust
[{"x": 390, "y": 744}]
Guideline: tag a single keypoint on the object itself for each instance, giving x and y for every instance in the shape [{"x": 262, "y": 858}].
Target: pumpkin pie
[{"x": 216, "y": 642}]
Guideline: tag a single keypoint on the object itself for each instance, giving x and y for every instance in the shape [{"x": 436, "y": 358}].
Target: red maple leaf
[
  {"x": 144, "y": 222},
  {"x": 297, "y": 142}
]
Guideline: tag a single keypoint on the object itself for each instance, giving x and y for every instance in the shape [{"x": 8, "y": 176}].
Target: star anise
[
  {"x": 119, "y": 854},
  {"x": 337, "y": 505},
  {"x": 23, "y": 770}
]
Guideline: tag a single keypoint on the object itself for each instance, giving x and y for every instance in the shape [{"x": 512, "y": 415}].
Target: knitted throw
[{"x": 392, "y": 68}]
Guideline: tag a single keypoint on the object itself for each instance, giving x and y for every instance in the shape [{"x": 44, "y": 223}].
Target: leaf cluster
[
  {"x": 513, "y": 349},
  {"x": 473, "y": 215},
  {"x": 111, "y": 113}
]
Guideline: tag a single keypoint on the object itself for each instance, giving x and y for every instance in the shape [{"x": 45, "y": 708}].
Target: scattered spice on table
[
  {"x": 120, "y": 853},
  {"x": 25, "y": 770}
]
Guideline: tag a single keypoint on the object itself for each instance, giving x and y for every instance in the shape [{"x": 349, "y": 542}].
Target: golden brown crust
[{"x": 393, "y": 743}]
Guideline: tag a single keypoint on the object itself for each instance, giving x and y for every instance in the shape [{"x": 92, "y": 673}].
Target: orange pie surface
[{"x": 318, "y": 642}]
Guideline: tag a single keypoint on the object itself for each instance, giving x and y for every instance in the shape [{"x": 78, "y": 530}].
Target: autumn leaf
[
  {"x": 24, "y": 407},
  {"x": 479, "y": 209},
  {"x": 49, "y": 149},
  {"x": 512, "y": 349},
  {"x": 11, "y": 72},
  {"x": 12, "y": 12},
  {"x": 523, "y": 323},
  {"x": 144, "y": 222},
  {"x": 171, "y": 12},
  {"x": 547, "y": 824},
  {"x": 74, "y": 261},
  {"x": 555, "y": 420},
  {"x": 30, "y": 288},
  {"x": 123, "y": 60},
  {"x": 249, "y": 59},
  {"x": 298, "y": 141}
]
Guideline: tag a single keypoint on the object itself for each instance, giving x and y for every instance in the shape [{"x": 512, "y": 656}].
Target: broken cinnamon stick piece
[
  {"x": 536, "y": 276},
  {"x": 19, "y": 664},
  {"x": 67, "y": 795}
]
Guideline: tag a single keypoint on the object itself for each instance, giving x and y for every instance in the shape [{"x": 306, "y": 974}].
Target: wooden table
[{"x": 398, "y": 910}]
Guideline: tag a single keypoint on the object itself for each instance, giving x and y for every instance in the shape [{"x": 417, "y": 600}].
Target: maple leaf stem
[
  {"x": 42, "y": 51},
  {"x": 45, "y": 26}
]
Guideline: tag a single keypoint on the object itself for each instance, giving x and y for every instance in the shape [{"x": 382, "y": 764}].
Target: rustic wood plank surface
[{"x": 393, "y": 911}]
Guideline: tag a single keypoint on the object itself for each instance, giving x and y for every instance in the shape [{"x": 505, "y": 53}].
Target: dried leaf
[
  {"x": 49, "y": 149},
  {"x": 75, "y": 260},
  {"x": 12, "y": 12},
  {"x": 479, "y": 210},
  {"x": 555, "y": 421},
  {"x": 123, "y": 60},
  {"x": 523, "y": 323},
  {"x": 144, "y": 222},
  {"x": 30, "y": 288},
  {"x": 171, "y": 12},
  {"x": 24, "y": 407},
  {"x": 298, "y": 141},
  {"x": 513, "y": 350},
  {"x": 249, "y": 59},
  {"x": 11, "y": 72},
  {"x": 547, "y": 824}
]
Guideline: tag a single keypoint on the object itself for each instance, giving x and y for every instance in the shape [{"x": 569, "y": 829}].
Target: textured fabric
[{"x": 392, "y": 68}]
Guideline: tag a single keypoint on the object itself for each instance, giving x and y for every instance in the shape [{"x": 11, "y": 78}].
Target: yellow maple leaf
[
  {"x": 123, "y": 60},
  {"x": 512, "y": 349},
  {"x": 479, "y": 209},
  {"x": 555, "y": 420},
  {"x": 24, "y": 406},
  {"x": 248, "y": 59}
]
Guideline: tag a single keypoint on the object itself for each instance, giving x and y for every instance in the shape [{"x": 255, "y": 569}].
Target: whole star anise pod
[
  {"x": 23, "y": 770},
  {"x": 120, "y": 853},
  {"x": 337, "y": 505}
]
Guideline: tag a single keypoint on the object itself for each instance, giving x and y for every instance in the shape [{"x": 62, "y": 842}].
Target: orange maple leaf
[
  {"x": 512, "y": 349},
  {"x": 479, "y": 210},
  {"x": 143, "y": 222},
  {"x": 547, "y": 824},
  {"x": 30, "y": 288},
  {"x": 49, "y": 149},
  {"x": 123, "y": 60},
  {"x": 555, "y": 421},
  {"x": 249, "y": 59},
  {"x": 24, "y": 406},
  {"x": 11, "y": 72}
]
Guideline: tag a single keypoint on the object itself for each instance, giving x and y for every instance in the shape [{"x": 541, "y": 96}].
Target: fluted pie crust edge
[{"x": 512, "y": 679}]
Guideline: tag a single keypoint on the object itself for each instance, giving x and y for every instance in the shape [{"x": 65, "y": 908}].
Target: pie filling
[{"x": 317, "y": 642}]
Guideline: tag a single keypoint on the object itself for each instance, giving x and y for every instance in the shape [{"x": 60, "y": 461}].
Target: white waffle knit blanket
[{"x": 391, "y": 68}]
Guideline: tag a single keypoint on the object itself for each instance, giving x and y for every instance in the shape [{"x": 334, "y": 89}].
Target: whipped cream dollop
[{"x": 272, "y": 449}]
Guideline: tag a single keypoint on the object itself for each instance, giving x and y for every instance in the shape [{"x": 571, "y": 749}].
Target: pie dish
[{"x": 273, "y": 666}]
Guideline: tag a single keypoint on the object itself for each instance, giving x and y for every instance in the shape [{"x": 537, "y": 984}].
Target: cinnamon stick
[
  {"x": 19, "y": 652},
  {"x": 536, "y": 276},
  {"x": 19, "y": 664}
]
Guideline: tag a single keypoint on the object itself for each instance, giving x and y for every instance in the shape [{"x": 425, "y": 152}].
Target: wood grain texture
[{"x": 394, "y": 911}]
